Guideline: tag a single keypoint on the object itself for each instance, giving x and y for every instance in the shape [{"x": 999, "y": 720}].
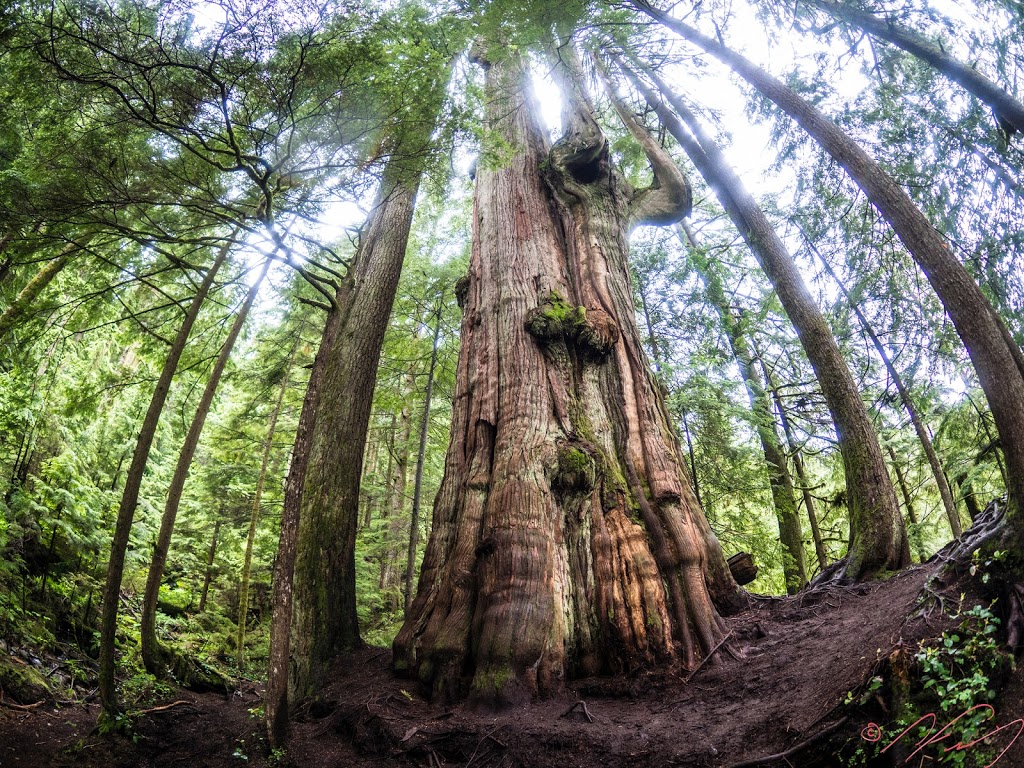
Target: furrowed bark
[
  {"x": 133, "y": 483},
  {"x": 325, "y": 603},
  {"x": 565, "y": 540},
  {"x": 324, "y": 622},
  {"x": 970, "y": 311},
  {"x": 275, "y": 700},
  {"x": 1009, "y": 111},
  {"x": 878, "y": 538},
  {"x": 153, "y": 656}
]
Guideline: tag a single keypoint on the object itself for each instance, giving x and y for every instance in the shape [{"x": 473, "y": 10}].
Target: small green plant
[{"x": 955, "y": 674}]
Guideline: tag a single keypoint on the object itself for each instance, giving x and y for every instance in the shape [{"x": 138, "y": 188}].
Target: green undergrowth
[{"x": 937, "y": 700}]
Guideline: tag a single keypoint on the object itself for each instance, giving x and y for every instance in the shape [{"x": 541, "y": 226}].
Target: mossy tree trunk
[
  {"x": 14, "y": 313},
  {"x": 133, "y": 485},
  {"x": 566, "y": 541},
  {"x": 794, "y": 565},
  {"x": 325, "y": 622},
  {"x": 878, "y": 539},
  {"x": 996, "y": 358},
  {"x": 153, "y": 656},
  {"x": 275, "y": 701}
]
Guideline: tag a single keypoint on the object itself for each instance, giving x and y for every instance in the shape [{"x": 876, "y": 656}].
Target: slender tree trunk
[
  {"x": 152, "y": 654},
  {"x": 257, "y": 497},
  {"x": 133, "y": 483},
  {"x": 877, "y": 534},
  {"x": 391, "y": 578},
  {"x": 996, "y": 363},
  {"x": 278, "y": 661},
  {"x": 1008, "y": 110},
  {"x": 14, "y": 314},
  {"x": 421, "y": 454},
  {"x": 49, "y": 552},
  {"x": 801, "y": 474},
  {"x": 211, "y": 555},
  {"x": 967, "y": 493},
  {"x": 915, "y": 536},
  {"x": 565, "y": 539},
  {"x": 794, "y": 566},
  {"x": 908, "y": 404}
]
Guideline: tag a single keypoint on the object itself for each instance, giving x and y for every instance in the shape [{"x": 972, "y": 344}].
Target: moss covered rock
[{"x": 22, "y": 682}]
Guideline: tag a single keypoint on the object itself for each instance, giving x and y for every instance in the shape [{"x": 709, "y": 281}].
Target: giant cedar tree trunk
[
  {"x": 152, "y": 654},
  {"x": 1009, "y": 111},
  {"x": 995, "y": 358},
  {"x": 565, "y": 541},
  {"x": 133, "y": 484},
  {"x": 878, "y": 539}
]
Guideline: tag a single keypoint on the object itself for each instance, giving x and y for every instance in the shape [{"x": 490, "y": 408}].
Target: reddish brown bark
[{"x": 565, "y": 539}]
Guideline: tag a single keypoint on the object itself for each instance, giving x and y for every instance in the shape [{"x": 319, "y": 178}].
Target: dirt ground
[{"x": 781, "y": 692}]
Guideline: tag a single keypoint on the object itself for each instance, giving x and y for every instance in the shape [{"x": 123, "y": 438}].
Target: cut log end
[{"x": 743, "y": 568}]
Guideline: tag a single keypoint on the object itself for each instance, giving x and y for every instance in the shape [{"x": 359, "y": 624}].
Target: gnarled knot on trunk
[
  {"x": 592, "y": 332},
  {"x": 461, "y": 291},
  {"x": 576, "y": 472}
]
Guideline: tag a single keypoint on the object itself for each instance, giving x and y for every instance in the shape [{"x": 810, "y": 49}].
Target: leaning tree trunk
[
  {"x": 565, "y": 540},
  {"x": 878, "y": 539},
  {"x": 17, "y": 309},
  {"x": 794, "y": 566},
  {"x": 132, "y": 486},
  {"x": 1009, "y": 111},
  {"x": 945, "y": 494},
  {"x": 254, "y": 516},
  {"x": 153, "y": 656},
  {"x": 995, "y": 359},
  {"x": 275, "y": 701},
  {"x": 325, "y": 601}
]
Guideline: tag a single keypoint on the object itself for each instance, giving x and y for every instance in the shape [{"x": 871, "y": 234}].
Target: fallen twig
[
  {"x": 164, "y": 708},
  {"x": 22, "y": 707},
  {"x": 707, "y": 658},
  {"x": 586, "y": 712},
  {"x": 792, "y": 750}
]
